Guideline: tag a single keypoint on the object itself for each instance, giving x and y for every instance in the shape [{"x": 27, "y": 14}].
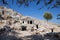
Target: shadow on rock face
[
  {"x": 5, "y": 36},
  {"x": 47, "y": 36},
  {"x": 52, "y": 36},
  {"x": 9, "y": 38},
  {"x": 33, "y": 37}
]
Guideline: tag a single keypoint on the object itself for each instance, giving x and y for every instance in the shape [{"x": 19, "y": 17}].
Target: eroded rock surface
[{"x": 14, "y": 26}]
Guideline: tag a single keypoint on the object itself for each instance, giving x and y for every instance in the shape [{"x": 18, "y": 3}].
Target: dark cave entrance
[
  {"x": 37, "y": 26},
  {"x": 23, "y": 28}
]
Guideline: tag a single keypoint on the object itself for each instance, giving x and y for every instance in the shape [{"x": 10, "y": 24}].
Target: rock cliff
[{"x": 14, "y": 23}]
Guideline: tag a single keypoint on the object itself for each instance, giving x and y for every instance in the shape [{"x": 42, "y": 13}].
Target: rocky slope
[{"x": 12, "y": 23}]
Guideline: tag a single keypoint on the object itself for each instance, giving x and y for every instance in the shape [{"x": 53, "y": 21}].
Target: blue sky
[{"x": 33, "y": 10}]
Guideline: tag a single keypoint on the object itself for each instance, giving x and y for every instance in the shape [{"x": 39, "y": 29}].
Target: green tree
[{"x": 47, "y": 16}]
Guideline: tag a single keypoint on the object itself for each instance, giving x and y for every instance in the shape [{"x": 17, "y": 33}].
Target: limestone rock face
[
  {"x": 14, "y": 26},
  {"x": 19, "y": 22}
]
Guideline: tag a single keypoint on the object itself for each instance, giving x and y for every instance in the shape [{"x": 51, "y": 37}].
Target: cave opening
[{"x": 23, "y": 28}]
